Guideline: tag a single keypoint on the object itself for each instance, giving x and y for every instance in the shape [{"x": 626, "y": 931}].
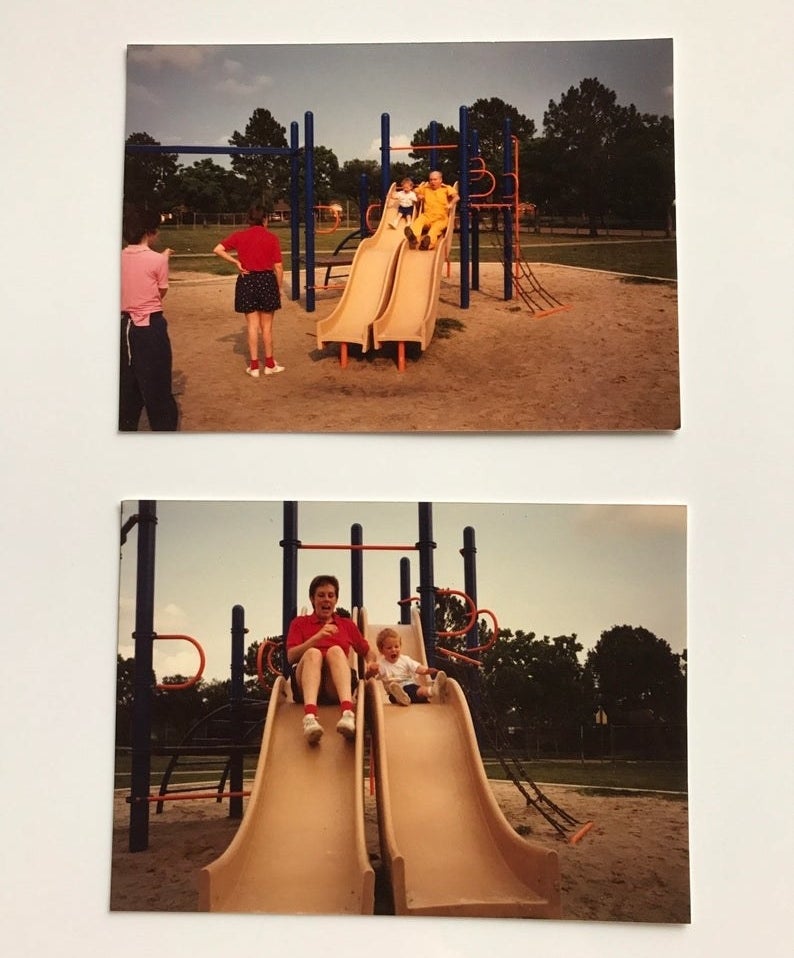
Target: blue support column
[
  {"x": 236, "y": 709},
  {"x": 385, "y": 156},
  {"x": 405, "y": 590},
  {"x": 140, "y": 778},
  {"x": 356, "y": 568},
  {"x": 463, "y": 207},
  {"x": 427, "y": 589},
  {"x": 507, "y": 151},
  {"x": 294, "y": 204},
  {"x": 308, "y": 147},
  {"x": 289, "y": 596}
]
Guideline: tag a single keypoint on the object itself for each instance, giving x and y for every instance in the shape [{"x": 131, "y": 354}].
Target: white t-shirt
[{"x": 403, "y": 671}]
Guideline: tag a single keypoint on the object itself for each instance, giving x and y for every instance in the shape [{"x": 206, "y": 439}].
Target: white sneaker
[
  {"x": 347, "y": 725},
  {"x": 312, "y": 730},
  {"x": 253, "y": 373},
  {"x": 272, "y": 370},
  {"x": 440, "y": 687},
  {"x": 398, "y": 693}
]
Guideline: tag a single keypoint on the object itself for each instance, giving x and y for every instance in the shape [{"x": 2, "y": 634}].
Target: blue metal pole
[
  {"x": 508, "y": 168},
  {"x": 385, "y": 156},
  {"x": 469, "y": 553},
  {"x": 463, "y": 207},
  {"x": 308, "y": 147},
  {"x": 356, "y": 568},
  {"x": 236, "y": 708},
  {"x": 427, "y": 589},
  {"x": 140, "y": 778},
  {"x": 289, "y": 595},
  {"x": 294, "y": 203},
  {"x": 405, "y": 590},
  {"x": 433, "y": 143}
]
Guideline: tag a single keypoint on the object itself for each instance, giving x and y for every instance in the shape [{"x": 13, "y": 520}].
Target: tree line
[
  {"x": 594, "y": 158},
  {"x": 533, "y": 683}
]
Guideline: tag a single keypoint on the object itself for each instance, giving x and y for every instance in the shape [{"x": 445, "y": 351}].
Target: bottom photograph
[{"x": 459, "y": 709}]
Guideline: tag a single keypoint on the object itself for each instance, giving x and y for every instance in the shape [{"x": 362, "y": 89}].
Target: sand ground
[
  {"x": 609, "y": 362},
  {"x": 632, "y": 865}
]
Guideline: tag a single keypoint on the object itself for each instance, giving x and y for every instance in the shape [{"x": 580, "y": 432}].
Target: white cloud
[
  {"x": 235, "y": 87},
  {"x": 182, "y": 57},
  {"x": 395, "y": 141}
]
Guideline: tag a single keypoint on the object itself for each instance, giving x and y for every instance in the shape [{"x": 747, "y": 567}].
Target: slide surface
[
  {"x": 300, "y": 848},
  {"x": 410, "y": 315},
  {"x": 446, "y": 844},
  {"x": 368, "y": 286}
]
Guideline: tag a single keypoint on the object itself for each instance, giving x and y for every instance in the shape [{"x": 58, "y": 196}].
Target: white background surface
[{"x": 67, "y": 469}]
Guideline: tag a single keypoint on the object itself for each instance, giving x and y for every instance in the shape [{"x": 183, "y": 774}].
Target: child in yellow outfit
[{"x": 437, "y": 197}]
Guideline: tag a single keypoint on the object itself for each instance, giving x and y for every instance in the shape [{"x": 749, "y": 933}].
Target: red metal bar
[
  {"x": 176, "y": 686},
  {"x": 342, "y": 545},
  {"x": 189, "y": 796}
]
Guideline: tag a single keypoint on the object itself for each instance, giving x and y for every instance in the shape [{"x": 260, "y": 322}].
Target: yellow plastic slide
[
  {"x": 410, "y": 315},
  {"x": 447, "y": 846},
  {"x": 300, "y": 848},
  {"x": 368, "y": 286}
]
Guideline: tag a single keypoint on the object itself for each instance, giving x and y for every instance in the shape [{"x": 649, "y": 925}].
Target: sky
[
  {"x": 199, "y": 95},
  {"x": 549, "y": 569}
]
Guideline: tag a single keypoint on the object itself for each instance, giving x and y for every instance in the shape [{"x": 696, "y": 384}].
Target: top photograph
[{"x": 399, "y": 238}]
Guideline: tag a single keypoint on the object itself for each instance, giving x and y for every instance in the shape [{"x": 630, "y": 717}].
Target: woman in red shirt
[{"x": 257, "y": 293}]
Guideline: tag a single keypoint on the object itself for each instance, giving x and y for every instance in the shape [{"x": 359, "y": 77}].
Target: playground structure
[
  {"x": 473, "y": 865},
  {"x": 369, "y": 283}
]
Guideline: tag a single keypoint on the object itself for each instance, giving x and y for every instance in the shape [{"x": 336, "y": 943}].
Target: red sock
[
  {"x": 270, "y": 362},
  {"x": 347, "y": 706},
  {"x": 254, "y": 364},
  {"x": 310, "y": 710}
]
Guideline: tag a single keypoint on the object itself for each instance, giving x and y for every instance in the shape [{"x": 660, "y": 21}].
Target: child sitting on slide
[
  {"x": 406, "y": 202},
  {"x": 400, "y": 673}
]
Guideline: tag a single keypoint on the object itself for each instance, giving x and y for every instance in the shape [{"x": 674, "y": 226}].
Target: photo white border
[{"x": 68, "y": 469}]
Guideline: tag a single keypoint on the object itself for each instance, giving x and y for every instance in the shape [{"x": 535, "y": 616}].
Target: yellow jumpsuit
[{"x": 435, "y": 214}]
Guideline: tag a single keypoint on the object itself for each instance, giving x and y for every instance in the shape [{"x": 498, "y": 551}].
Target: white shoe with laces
[
  {"x": 398, "y": 693},
  {"x": 312, "y": 730},
  {"x": 440, "y": 687},
  {"x": 253, "y": 373},
  {"x": 272, "y": 370},
  {"x": 347, "y": 725}
]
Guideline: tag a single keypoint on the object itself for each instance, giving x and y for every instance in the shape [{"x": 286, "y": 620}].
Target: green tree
[
  {"x": 448, "y": 162},
  {"x": 586, "y": 122},
  {"x": 642, "y": 177},
  {"x": 267, "y": 176},
  {"x": 148, "y": 176},
  {"x": 488, "y": 117},
  {"x": 347, "y": 183},
  {"x": 636, "y": 670}
]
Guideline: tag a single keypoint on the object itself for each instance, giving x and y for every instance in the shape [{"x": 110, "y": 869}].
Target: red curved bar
[
  {"x": 335, "y": 227},
  {"x": 176, "y": 686}
]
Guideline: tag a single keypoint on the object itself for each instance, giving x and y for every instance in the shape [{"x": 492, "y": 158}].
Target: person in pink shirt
[
  {"x": 146, "y": 358},
  {"x": 258, "y": 290}
]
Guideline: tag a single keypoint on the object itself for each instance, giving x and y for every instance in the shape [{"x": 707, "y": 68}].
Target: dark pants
[{"x": 145, "y": 379}]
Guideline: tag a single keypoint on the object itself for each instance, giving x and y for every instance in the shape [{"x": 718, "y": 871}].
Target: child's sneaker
[
  {"x": 398, "y": 693},
  {"x": 272, "y": 370},
  {"x": 347, "y": 725},
  {"x": 253, "y": 373},
  {"x": 440, "y": 688},
  {"x": 312, "y": 730}
]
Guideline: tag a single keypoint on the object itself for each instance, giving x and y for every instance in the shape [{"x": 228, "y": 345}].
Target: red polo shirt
[
  {"x": 257, "y": 248},
  {"x": 303, "y": 627}
]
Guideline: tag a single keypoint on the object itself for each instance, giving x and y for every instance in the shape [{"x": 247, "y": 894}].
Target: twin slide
[
  {"x": 392, "y": 292},
  {"x": 445, "y": 844}
]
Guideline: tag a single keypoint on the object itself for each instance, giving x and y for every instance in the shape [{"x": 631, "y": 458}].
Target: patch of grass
[
  {"x": 660, "y": 776},
  {"x": 446, "y": 327}
]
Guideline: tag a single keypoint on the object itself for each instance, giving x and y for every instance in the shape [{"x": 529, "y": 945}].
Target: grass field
[
  {"x": 659, "y": 776},
  {"x": 637, "y": 255}
]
